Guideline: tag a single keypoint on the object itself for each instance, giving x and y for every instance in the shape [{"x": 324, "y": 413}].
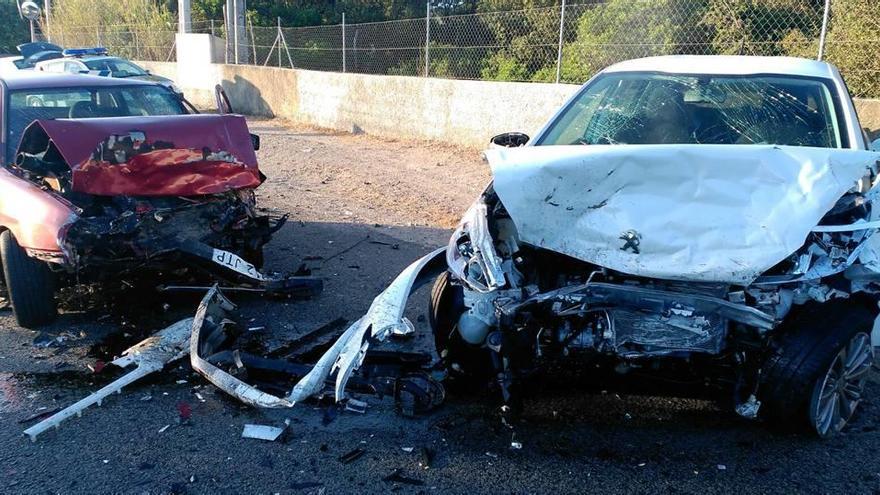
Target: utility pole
[
  {"x": 47, "y": 10},
  {"x": 238, "y": 13},
  {"x": 184, "y": 16},
  {"x": 228, "y": 31}
]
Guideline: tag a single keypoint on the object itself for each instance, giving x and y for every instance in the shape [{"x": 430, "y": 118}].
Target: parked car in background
[
  {"x": 30, "y": 55},
  {"x": 700, "y": 225},
  {"x": 103, "y": 176},
  {"x": 96, "y": 61}
]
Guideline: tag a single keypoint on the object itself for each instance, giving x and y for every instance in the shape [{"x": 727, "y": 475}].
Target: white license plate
[{"x": 237, "y": 264}]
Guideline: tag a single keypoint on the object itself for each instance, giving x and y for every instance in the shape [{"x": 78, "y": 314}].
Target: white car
[
  {"x": 686, "y": 225},
  {"x": 95, "y": 61}
]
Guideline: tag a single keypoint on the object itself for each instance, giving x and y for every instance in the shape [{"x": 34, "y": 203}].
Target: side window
[
  {"x": 54, "y": 67},
  {"x": 72, "y": 67}
]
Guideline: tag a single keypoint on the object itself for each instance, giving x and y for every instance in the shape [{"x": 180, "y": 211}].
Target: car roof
[
  {"x": 727, "y": 65},
  {"x": 91, "y": 57},
  {"x": 32, "y": 80}
]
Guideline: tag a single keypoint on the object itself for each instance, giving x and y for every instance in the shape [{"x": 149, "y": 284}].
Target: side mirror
[
  {"x": 509, "y": 140},
  {"x": 149, "y": 73},
  {"x": 255, "y": 141},
  {"x": 222, "y": 101}
]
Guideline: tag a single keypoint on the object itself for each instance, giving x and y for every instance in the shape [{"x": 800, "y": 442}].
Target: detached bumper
[{"x": 346, "y": 355}]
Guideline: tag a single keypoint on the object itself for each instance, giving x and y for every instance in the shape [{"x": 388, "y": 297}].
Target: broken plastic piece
[
  {"x": 391, "y": 373},
  {"x": 207, "y": 328},
  {"x": 357, "y": 406},
  {"x": 263, "y": 432},
  {"x": 150, "y": 355},
  {"x": 352, "y": 456},
  {"x": 384, "y": 316},
  {"x": 749, "y": 409},
  {"x": 397, "y": 476}
]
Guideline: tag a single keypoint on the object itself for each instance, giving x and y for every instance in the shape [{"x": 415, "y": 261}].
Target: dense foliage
[
  {"x": 15, "y": 30},
  {"x": 511, "y": 39}
]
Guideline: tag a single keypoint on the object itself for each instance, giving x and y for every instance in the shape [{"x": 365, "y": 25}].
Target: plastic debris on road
[{"x": 149, "y": 355}]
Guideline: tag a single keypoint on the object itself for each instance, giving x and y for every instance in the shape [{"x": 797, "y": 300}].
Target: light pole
[{"x": 30, "y": 11}]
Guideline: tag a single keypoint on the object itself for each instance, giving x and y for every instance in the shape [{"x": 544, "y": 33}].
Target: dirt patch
[{"x": 321, "y": 176}]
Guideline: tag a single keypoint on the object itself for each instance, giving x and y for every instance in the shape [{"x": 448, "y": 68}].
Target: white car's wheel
[{"x": 838, "y": 392}]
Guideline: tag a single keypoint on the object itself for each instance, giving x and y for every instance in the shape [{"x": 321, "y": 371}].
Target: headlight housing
[{"x": 471, "y": 254}]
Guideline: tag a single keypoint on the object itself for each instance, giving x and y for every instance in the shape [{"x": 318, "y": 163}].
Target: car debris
[
  {"x": 352, "y": 455},
  {"x": 148, "y": 356},
  {"x": 397, "y": 476},
  {"x": 398, "y": 375},
  {"x": 264, "y": 432},
  {"x": 427, "y": 457},
  {"x": 356, "y": 406},
  {"x": 45, "y": 411}
]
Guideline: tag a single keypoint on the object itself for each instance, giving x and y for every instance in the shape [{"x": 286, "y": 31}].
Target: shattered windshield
[{"x": 647, "y": 108}]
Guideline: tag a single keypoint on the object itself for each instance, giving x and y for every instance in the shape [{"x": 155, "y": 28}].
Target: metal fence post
[
  {"x": 559, "y": 48},
  {"x": 427, "y": 37},
  {"x": 824, "y": 29},
  {"x": 213, "y": 34},
  {"x": 253, "y": 41},
  {"x": 278, "y": 40},
  {"x": 343, "y": 42}
]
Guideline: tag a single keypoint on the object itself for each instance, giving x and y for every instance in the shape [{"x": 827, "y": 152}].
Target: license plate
[{"x": 236, "y": 264}]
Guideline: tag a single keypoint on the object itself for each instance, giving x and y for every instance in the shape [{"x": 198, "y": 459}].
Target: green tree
[
  {"x": 851, "y": 45},
  {"x": 763, "y": 27},
  {"x": 15, "y": 30},
  {"x": 133, "y": 29},
  {"x": 527, "y": 32},
  {"x": 623, "y": 29}
]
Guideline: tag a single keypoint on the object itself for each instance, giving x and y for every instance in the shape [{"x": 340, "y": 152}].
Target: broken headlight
[{"x": 471, "y": 255}]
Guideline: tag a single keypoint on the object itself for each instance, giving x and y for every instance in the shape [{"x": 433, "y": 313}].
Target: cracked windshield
[{"x": 629, "y": 108}]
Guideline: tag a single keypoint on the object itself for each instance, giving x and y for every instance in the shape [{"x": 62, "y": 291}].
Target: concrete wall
[
  {"x": 454, "y": 111},
  {"x": 462, "y": 112}
]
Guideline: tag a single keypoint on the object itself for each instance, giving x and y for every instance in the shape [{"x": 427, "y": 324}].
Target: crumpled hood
[
  {"x": 180, "y": 155},
  {"x": 719, "y": 213}
]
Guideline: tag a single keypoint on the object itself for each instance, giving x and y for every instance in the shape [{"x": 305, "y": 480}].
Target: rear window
[
  {"x": 28, "y": 105},
  {"x": 648, "y": 108}
]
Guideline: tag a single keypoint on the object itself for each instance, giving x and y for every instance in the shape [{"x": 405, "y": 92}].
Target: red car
[{"x": 103, "y": 176}]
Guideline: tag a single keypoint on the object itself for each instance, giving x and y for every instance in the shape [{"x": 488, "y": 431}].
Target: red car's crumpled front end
[
  {"x": 180, "y": 155},
  {"x": 140, "y": 191}
]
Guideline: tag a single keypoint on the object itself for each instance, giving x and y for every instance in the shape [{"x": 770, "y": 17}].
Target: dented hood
[
  {"x": 180, "y": 155},
  {"x": 720, "y": 213}
]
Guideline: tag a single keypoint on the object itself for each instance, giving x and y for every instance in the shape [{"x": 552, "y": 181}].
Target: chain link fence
[{"x": 566, "y": 43}]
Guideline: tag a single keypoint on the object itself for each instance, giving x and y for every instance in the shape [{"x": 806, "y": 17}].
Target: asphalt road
[{"x": 381, "y": 204}]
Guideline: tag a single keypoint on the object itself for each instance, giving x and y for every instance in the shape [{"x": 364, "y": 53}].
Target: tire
[
  {"x": 30, "y": 284},
  {"x": 467, "y": 365},
  {"x": 808, "y": 346}
]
